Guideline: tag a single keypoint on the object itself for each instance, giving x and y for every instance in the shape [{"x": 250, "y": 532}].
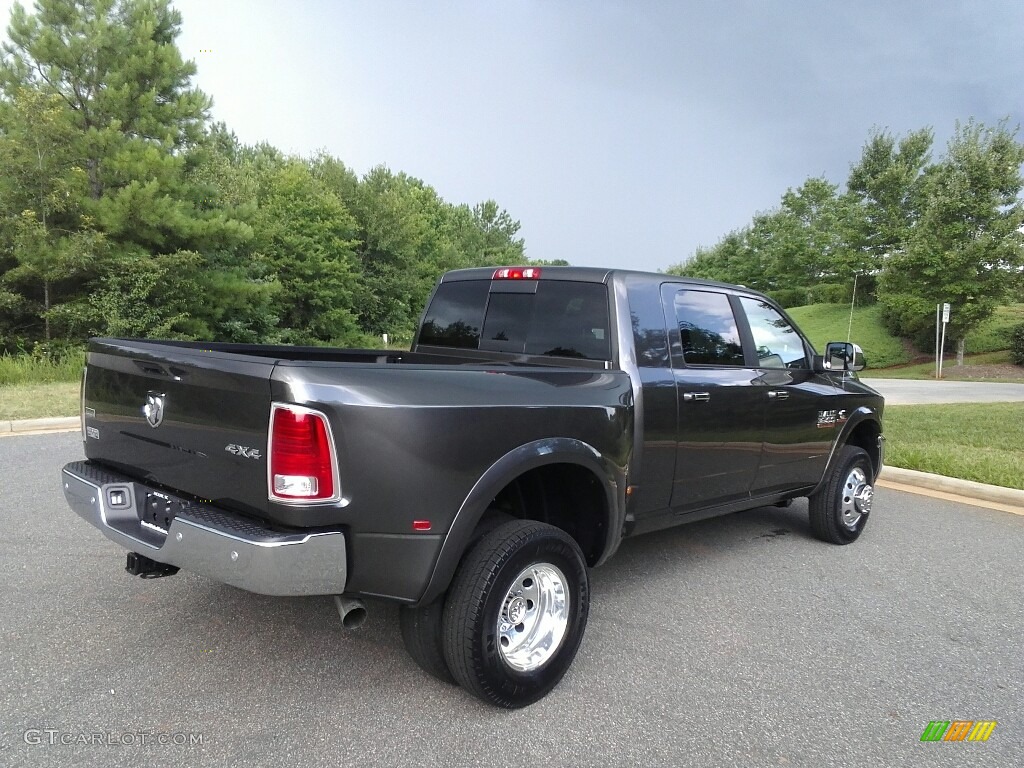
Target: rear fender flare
[{"x": 554, "y": 450}]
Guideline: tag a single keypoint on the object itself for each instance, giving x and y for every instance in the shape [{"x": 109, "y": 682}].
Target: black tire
[
  {"x": 423, "y": 637},
  {"x": 482, "y": 592},
  {"x": 840, "y": 509},
  {"x": 422, "y": 627}
]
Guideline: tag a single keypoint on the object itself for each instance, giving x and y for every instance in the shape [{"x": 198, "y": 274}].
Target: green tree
[
  {"x": 238, "y": 282},
  {"x": 134, "y": 123},
  {"x": 500, "y": 242},
  {"x": 815, "y": 249},
  {"x": 967, "y": 247},
  {"x": 308, "y": 238},
  {"x": 794, "y": 248},
  {"x": 41, "y": 185},
  {"x": 886, "y": 194}
]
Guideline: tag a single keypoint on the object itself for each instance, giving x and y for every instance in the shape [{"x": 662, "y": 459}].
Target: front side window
[
  {"x": 707, "y": 329},
  {"x": 777, "y": 342}
]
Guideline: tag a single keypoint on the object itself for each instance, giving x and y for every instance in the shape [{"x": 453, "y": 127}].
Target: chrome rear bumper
[{"x": 205, "y": 539}]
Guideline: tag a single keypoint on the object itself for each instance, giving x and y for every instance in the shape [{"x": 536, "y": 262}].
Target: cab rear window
[{"x": 562, "y": 319}]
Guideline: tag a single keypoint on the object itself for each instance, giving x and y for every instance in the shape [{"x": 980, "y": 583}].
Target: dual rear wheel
[{"x": 513, "y": 618}]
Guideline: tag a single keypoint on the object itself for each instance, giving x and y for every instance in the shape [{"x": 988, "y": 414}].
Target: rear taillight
[{"x": 302, "y": 460}]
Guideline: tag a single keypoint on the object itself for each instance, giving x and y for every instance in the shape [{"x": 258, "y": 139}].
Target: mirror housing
[{"x": 840, "y": 356}]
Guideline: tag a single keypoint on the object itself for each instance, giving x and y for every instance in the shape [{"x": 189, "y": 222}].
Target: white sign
[{"x": 945, "y": 313}]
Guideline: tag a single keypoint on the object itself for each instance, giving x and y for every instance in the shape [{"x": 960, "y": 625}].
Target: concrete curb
[
  {"x": 40, "y": 425},
  {"x": 993, "y": 493}
]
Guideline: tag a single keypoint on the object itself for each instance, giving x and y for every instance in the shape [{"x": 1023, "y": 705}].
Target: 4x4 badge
[
  {"x": 154, "y": 408},
  {"x": 241, "y": 450}
]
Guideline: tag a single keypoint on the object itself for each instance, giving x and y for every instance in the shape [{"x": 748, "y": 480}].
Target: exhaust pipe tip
[{"x": 352, "y": 611}]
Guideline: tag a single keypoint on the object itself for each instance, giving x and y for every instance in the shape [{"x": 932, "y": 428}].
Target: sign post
[{"x": 942, "y": 343}]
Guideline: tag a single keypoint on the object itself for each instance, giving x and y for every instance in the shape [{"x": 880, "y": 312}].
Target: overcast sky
[{"x": 617, "y": 133}]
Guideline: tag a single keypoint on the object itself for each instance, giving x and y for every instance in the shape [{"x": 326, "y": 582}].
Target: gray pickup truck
[{"x": 541, "y": 416}]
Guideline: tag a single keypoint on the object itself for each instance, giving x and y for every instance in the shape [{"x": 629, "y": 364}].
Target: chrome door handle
[
  {"x": 778, "y": 394},
  {"x": 701, "y": 397}
]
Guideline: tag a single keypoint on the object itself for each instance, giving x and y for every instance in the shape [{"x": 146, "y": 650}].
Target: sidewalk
[{"x": 27, "y": 426}]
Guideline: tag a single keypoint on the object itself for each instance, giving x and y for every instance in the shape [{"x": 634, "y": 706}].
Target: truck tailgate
[{"x": 190, "y": 419}]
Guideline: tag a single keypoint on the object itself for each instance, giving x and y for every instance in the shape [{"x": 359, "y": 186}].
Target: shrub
[
  {"x": 790, "y": 297},
  {"x": 40, "y": 368},
  {"x": 830, "y": 293}
]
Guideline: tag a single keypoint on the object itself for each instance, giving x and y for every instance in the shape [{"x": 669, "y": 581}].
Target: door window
[
  {"x": 708, "y": 333},
  {"x": 777, "y": 342}
]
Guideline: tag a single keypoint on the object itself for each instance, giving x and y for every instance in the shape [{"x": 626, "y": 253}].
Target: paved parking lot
[{"x": 738, "y": 641}]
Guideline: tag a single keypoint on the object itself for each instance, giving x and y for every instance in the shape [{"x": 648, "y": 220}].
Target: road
[
  {"x": 738, "y": 641},
  {"x": 914, "y": 392}
]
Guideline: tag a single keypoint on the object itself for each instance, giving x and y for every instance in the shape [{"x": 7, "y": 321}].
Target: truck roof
[{"x": 583, "y": 275}]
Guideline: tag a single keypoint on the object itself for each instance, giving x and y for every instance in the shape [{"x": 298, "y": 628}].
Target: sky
[{"x": 618, "y": 133}]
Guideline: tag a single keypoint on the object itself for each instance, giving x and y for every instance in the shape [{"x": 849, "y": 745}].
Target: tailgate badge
[{"x": 154, "y": 408}]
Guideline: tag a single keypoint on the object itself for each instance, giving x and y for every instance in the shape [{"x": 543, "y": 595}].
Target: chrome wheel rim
[
  {"x": 857, "y": 495},
  {"x": 534, "y": 617}
]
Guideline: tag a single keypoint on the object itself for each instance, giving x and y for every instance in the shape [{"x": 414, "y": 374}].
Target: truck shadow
[
  {"x": 221, "y": 634},
  {"x": 237, "y": 620},
  {"x": 677, "y": 550}
]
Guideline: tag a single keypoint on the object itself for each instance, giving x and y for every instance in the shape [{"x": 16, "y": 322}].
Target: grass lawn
[
  {"x": 34, "y": 401},
  {"x": 829, "y": 322},
  {"x": 994, "y": 333},
  {"x": 25, "y": 369},
  {"x": 983, "y": 442},
  {"x": 973, "y": 369}
]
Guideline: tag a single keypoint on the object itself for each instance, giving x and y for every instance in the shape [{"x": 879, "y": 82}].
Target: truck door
[
  {"x": 800, "y": 422},
  {"x": 721, "y": 400}
]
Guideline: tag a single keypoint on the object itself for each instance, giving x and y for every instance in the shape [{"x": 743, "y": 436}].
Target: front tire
[
  {"x": 516, "y": 613},
  {"x": 839, "y": 510}
]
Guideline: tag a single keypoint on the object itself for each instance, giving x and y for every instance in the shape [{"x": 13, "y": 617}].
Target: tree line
[
  {"x": 125, "y": 211},
  {"x": 907, "y": 231}
]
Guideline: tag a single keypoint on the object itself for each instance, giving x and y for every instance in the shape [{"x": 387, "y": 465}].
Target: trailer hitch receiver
[{"x": 140, "y": 565}]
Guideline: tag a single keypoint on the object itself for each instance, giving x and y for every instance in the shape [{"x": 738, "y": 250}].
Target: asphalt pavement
[
  {"x": 737, "y": 641},
  {"x": 919, "y": 392}
]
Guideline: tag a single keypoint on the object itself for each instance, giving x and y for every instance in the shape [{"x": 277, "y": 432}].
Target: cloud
[{"x": 619, "y": 133}]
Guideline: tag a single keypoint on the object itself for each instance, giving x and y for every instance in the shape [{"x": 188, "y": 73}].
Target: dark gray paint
[{"x": 436, "y": 433}]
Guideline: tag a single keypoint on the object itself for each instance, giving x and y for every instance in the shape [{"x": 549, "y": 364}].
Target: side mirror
[{"x": 841, "y": 356}]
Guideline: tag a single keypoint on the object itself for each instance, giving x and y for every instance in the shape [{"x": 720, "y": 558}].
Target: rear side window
[
  {"x": 707, "y": 329},
  {"x": 647, "y": 317},
  {"x": 456, "y": 314},
  {"x": 562, "y": 319}
]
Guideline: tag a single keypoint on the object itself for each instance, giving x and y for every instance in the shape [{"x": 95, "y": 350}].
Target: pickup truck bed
[{"x": 414, "y": 420}]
